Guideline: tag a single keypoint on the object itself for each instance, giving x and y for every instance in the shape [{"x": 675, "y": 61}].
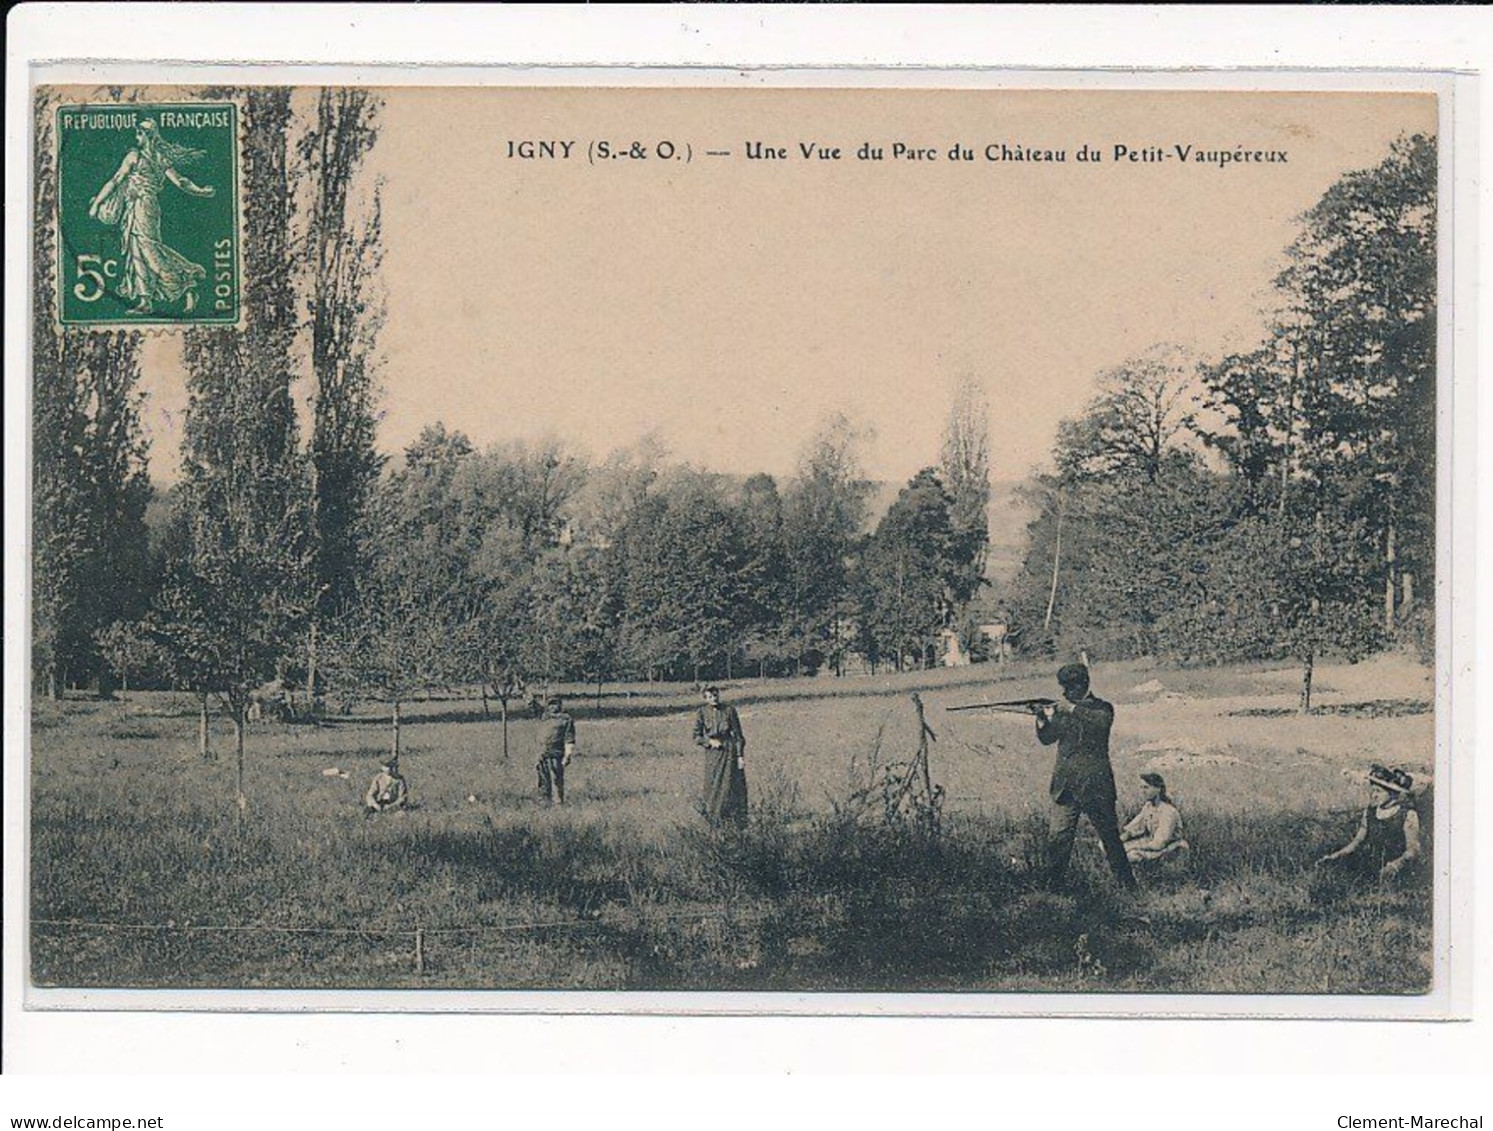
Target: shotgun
[{"x": 1010, "y": 706}]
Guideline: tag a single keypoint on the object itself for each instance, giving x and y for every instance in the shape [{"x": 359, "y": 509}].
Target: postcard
[{"x": 796, "y": 546}]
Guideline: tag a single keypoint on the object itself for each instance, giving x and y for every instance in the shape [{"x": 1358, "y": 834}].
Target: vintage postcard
[{"x": 963, "y": 546}]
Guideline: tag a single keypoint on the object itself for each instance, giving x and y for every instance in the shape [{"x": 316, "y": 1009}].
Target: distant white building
[
  {"x": 951, "y": 650},
  {"x": 953, "y": 654}
]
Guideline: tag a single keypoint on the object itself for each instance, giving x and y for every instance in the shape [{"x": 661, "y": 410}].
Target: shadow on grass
[
  {"x": 572, "y": 867},
  {"x": 1370, "y": 709},
  {"x": 681, "y": 699}
]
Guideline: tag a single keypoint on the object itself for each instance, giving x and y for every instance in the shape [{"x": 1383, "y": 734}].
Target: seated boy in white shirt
[
  {"x": 387, "y": 791},
  {"x": 1156, "y": 831}
]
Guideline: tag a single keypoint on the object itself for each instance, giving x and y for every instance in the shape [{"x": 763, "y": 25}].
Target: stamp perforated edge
[{"x": 153, "y": 327}]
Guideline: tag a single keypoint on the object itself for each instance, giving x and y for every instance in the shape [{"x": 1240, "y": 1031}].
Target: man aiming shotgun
[{"x": 1083, "y": 782}]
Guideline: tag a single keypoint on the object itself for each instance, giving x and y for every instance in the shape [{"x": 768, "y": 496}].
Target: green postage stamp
[{"x": 148, "y": 229}]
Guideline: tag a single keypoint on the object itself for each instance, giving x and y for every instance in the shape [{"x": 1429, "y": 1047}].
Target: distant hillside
[{"x": 1010, "y": 513}]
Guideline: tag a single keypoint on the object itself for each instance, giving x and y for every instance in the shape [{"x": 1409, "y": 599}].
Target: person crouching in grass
[{"x": 388, "y": 791}]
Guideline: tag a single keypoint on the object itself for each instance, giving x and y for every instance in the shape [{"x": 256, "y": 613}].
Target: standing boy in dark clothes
[{"x": 556, "y": 748}]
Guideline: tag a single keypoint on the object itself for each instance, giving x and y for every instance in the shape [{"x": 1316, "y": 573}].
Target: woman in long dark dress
[{"x": 718, "y": 732}]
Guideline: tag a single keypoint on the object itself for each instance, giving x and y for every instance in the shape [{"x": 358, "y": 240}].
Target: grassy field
[{"x": 144, "y": 873}]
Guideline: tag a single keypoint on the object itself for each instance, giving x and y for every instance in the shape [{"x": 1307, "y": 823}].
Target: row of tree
[
  {"x": 523, "y": 562},
  {"x": 1274, "y": 503},
  {"x": 90, "y": 490}
]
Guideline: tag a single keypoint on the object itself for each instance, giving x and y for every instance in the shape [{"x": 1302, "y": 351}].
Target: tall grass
[{"x": 825, "y": 903}]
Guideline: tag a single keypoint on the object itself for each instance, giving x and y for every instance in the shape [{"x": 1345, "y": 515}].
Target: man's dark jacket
[
  {"x": 556, "y": 730},
  {"x": 1082, "y": 770}
]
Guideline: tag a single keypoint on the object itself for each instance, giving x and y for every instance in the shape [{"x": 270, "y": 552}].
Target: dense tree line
[
  {"x": 1275, "y": 503},
  {"x": 259, "y": 542},
  {"x": 524, "y": 563}
]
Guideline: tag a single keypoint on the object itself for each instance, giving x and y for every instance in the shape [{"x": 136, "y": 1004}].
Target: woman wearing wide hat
[{"x": 1387, "y": 841}]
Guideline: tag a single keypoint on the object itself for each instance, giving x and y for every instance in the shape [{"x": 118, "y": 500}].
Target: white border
[
  {"x": 102, "y": 72},
  {"x": 1135, "y": 37}
]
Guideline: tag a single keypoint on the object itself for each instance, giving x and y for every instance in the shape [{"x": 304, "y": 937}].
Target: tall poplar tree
[
  {"x": 824, "y": 511},
  {"x": 58, "y": 540},
  {"x": 965, "y": 472},
  {"x": 343, "y": 253},
  {"x": 89, "y": 484},
  {"x": 237, "y": 592}
]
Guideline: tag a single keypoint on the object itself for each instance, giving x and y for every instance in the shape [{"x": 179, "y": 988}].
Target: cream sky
[{"x": 732, "y": 304}]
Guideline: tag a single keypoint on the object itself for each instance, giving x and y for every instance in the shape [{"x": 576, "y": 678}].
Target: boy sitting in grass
[{"x": 387, "y": 791}]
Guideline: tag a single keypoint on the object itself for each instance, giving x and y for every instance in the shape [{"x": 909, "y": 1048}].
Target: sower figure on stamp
[
  {"x": 718, "y": 732},
  {"x": 130, "y": 200},
  {"x": 556, "y": 748},
  {"x": 1083, "y": 782}
]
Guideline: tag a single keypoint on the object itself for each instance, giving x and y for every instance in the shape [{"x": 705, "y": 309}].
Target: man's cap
[
  {"x": 1396, "y": 781},
  {"x": 1154, "y": 779},
  {"x": 712, "y": 690},
  {"x": 1073, "y": 675}
]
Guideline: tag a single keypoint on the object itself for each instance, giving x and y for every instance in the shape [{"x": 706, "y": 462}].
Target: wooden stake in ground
[{"x": 921, "y": 769}]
